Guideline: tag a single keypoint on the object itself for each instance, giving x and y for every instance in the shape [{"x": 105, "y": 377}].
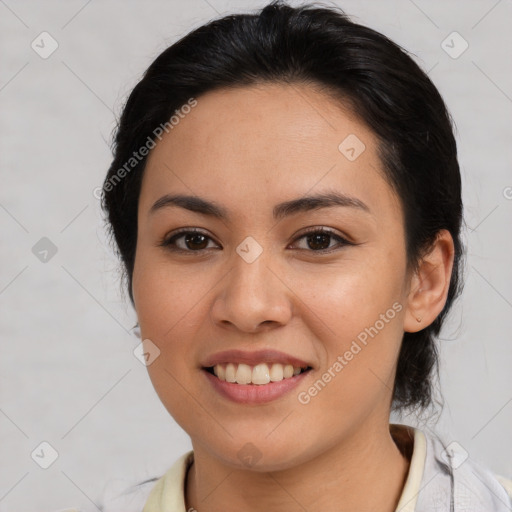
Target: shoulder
[
  {"x": 120, "y": 495},
  {"x": 472, "y": 484},
  {"x": 163, "y": 492},
  {"x": 506, "y": 483}
]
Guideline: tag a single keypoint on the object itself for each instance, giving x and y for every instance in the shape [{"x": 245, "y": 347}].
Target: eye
[
  {"x": 192, "y": 240},
  {"x": 319, "y": 240}
]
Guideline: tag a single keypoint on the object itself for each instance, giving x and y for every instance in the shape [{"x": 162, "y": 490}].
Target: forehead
[{"x": 255, "y": 144}]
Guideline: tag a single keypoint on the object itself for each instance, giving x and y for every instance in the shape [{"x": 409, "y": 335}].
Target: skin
[{"x": 248, "y": 149}]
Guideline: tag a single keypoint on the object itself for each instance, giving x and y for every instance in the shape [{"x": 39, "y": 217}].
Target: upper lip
[{"x": 253, "y": 358}]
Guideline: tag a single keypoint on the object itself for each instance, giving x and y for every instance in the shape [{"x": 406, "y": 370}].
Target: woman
[{"x": 285, "y": 197}]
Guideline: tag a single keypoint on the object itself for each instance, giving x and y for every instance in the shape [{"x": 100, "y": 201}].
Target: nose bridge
[
  {"x": 251, "y": 294},
  {"x": 250, "y": 269}
]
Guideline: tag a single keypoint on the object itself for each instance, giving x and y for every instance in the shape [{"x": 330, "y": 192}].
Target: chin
[{"x": 260, "y": 454}]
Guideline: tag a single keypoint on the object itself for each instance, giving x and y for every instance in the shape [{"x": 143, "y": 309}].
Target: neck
[{"x": 365, "y": 472}]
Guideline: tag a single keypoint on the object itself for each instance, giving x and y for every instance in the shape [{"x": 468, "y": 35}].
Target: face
[{"x": 322, "y": 283}]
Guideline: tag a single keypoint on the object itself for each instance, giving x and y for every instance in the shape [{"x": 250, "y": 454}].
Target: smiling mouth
[{"x": 259, "y": 374}]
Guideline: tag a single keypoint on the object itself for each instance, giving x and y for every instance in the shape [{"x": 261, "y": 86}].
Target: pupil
[
  {"x": 317, "y": 239},
  {"x": 190, "y": 239}
]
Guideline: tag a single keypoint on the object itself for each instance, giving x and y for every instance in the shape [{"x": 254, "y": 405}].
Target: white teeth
[
  {"x": 243, "y": 374},
  {"x": 230, "y": 372},
  {"x": 221, "y": 372},
  {"x": 259, "y": 374},
  {"x": 288, "y": 371},
  {"x": 276, "y": 372}
]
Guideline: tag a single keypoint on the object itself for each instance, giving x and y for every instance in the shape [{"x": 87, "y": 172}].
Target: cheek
[
  {"x": 166, "y": 296},
  {"x": 168, "y": 305},
  {"x": 347, "y": 297},
  {"x": 355, "y": 315}
]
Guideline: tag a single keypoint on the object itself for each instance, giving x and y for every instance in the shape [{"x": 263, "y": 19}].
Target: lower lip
[{"x": 255, "y": 393}]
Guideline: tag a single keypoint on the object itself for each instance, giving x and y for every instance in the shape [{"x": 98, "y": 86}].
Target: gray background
[{"x": 67, "y": 372}]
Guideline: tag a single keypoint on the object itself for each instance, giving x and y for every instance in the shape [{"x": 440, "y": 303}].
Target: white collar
[{"x": 169, "y": 491}]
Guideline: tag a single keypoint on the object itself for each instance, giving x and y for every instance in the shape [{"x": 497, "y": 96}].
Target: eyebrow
[{"x": 280, "y": 211}]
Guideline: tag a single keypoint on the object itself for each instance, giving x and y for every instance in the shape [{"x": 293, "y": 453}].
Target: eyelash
[{"x": 168, "y": 242}]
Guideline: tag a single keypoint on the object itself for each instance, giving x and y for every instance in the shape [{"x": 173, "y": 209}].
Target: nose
[{"x": 252, "y": 296}]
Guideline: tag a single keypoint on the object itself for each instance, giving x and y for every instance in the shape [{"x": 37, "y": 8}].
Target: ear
[{"x": 429, "y": 284}]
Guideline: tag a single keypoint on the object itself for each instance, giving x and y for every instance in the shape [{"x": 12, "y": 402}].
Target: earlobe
[{"x": 430, "y": 284}]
